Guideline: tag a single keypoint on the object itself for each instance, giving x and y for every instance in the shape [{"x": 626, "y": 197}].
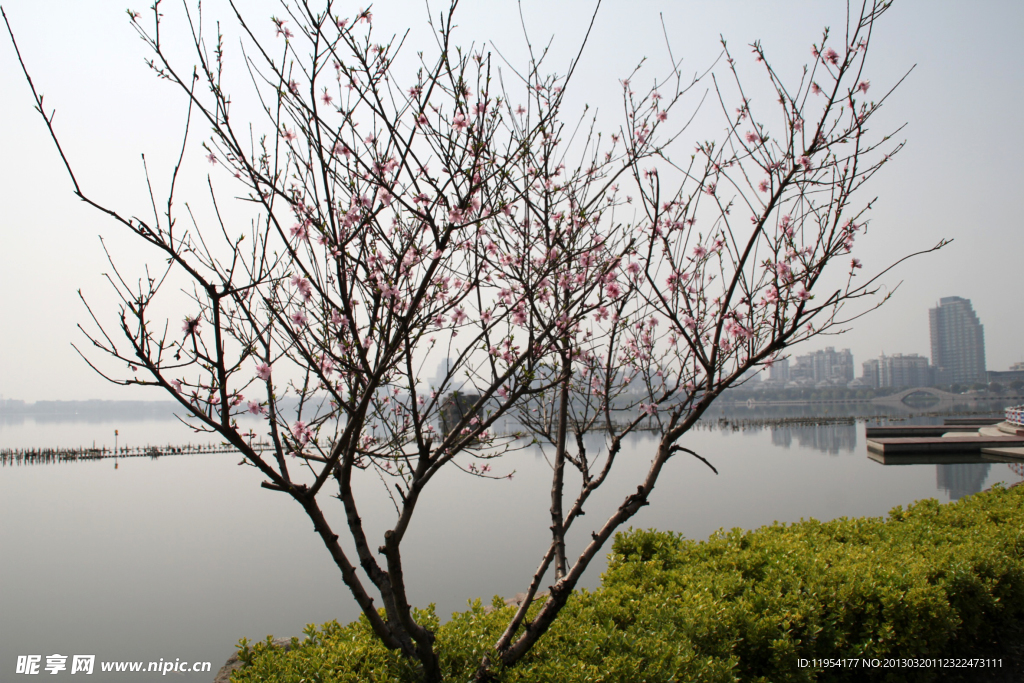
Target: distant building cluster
[
  {"x": 957, "y": 357},
  {"x": 820, "y": 368},
  {"x": 898, "y": 370}
]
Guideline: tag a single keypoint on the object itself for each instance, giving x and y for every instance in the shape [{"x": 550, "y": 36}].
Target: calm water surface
[{"x": 181, "y": 556}]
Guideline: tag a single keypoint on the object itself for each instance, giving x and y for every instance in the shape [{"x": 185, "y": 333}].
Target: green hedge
[{"x": 932, "y": 580}]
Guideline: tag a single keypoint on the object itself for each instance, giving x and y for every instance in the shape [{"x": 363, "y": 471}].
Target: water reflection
[
  {"x": 961, "y": 479},
  {"x": 121, "y": 564},
  {"x": 827, "y": 438}
]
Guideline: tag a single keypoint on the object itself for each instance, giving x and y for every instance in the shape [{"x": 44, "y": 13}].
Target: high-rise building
[
  {"x": 958, "y": 342},
  {"x": 898, "y": 370},
  {"x": 779, "y": 371},
  {"x": 872, "y": 376}
]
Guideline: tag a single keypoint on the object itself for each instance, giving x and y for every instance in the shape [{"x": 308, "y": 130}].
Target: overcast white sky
[{"x": 959, "y": 177}]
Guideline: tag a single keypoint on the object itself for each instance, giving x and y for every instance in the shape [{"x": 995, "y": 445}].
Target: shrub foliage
[{"x": 930, "y": 581}]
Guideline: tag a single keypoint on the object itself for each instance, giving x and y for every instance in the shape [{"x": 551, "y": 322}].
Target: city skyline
[
  {"x": 957, "y": 358},
  {"x": 110, "y": 109},
  {"x": 957, "y": 350}
]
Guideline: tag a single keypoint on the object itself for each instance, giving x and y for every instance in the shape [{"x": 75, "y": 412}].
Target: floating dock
[
  {"x": 942, "y": 444},
  {"x": 1008, "y": 454},
  {"x": 976, "y": 421},
  {"x": 961, "y": 440},
  {"x": 916, "y": 431}
]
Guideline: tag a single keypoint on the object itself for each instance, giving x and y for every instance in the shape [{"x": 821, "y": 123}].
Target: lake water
[{"x": 179, "y": 557}]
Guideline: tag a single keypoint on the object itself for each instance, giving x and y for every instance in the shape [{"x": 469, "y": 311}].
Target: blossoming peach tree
[{"x": 578, "y": 283}]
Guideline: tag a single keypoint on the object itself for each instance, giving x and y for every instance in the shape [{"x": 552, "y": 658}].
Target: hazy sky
[{"x": 959, "y": 177}]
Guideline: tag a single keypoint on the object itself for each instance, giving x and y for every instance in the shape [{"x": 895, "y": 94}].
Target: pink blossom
[
  {"x": 831, "y": 56},
  {"x": 855, "y": 263},
  {"x": 211, "y": 157},
  {"x": 649, "y": 408},
  {"x": 459, "y": 316},
  {"x": 700, "y": 251},
  {"x": 662, "y": 116},
  {"x": 738, "y": 330},
  {"x": 256, "y": 409},
  {"x": 176, "y": 384},
  {"x": 803, "y": 294},
  {"x": 302, "y": 284},
  {"x": 863, "y": 86},
  {"x": 612, "y": 290},
  {"x": 520, "y": 110},
  {"x": 753, "y": 137},
  {"x": 485, "y": 317},
  {"x": 326, "y": 98},
  {"x": 301, "y": 432},
  {"x": 459, "y": 122},
  {"x": 815, "y": 89},
  {"x": 415, "y": 91},
  {"x": 763, "y": 186},
  {"x": 805, "y": 162},
  {"x": 288, "y": 135},
  {"x": 710, "y": 189},
  {"x": 299, "y": 230},
  {"x": 190, "y": 325},
  {"x": 281, "y": 30},
  {"x": 421, "y": 119}
]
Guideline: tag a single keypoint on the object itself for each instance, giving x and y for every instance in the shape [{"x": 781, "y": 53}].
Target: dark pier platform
[
  {"x": 965, "y": 440},
  {"x": 916, "y": 431}
]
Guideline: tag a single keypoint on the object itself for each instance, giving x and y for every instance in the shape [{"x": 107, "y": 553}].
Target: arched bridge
[{"x": 944, "y": 397}]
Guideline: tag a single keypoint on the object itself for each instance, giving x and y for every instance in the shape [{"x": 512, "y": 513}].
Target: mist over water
[{"x": 179, "y": 556}]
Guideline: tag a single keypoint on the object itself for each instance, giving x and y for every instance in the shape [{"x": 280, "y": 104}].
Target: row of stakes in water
[{"x": 38, "y": 456}]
